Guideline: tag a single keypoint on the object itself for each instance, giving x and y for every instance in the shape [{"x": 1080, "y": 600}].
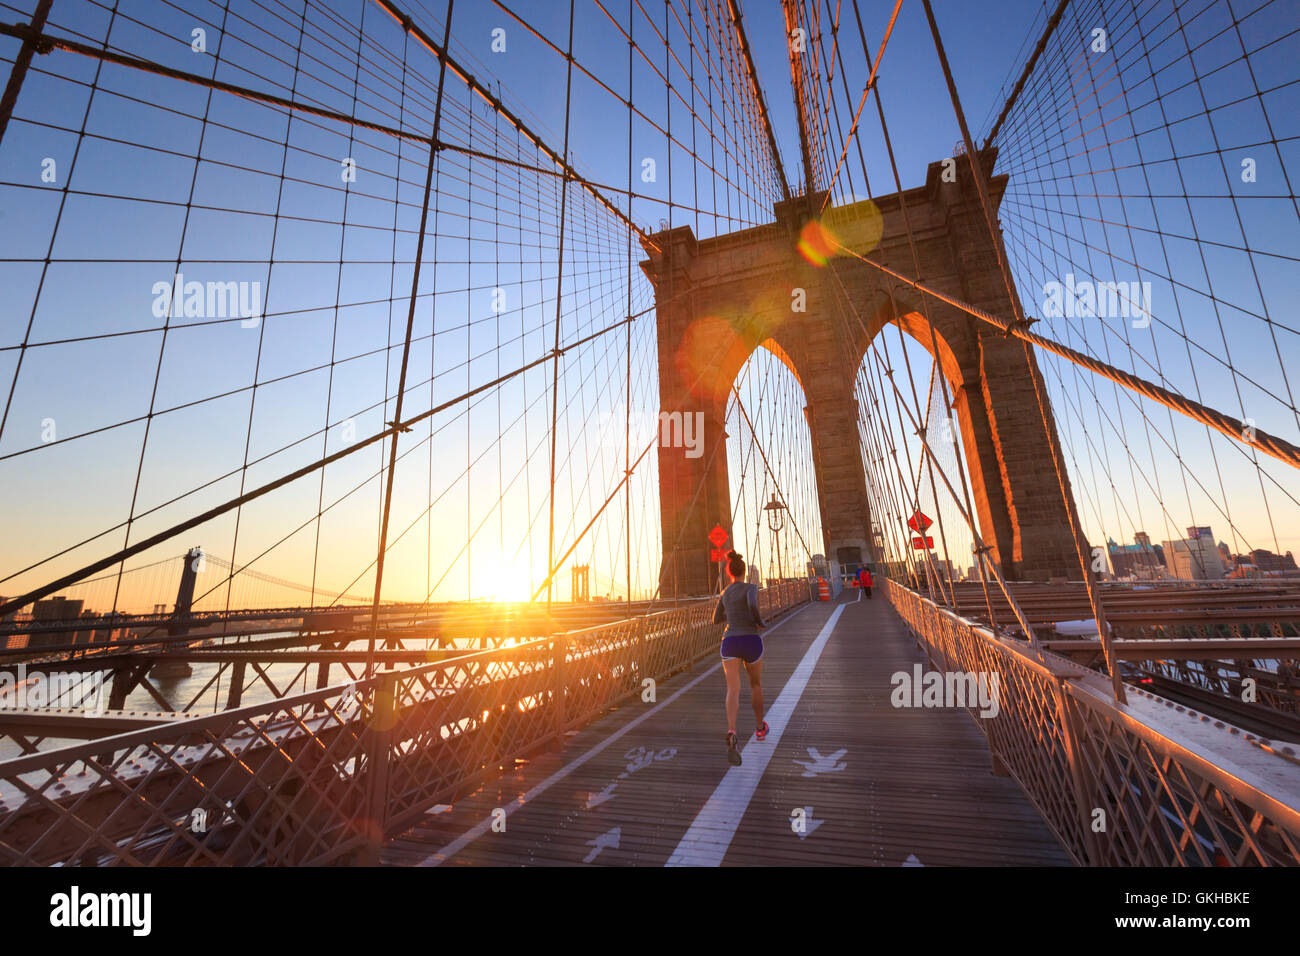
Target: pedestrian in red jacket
[{"x": 864, "y": 580}]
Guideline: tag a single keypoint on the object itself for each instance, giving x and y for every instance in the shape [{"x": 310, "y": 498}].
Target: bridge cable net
[
  {"x": 1193, "y": 434},
  {"x": 832, "y": 107},
  {"x": 1151, "y": 221},
  {"x": 217, "y": 310},
  {"x": 772, "y": 459},
  {"x": 839, "y": 76},
  {"x": 459, "y": 195},
  {"x": 1082, "y": 223},
  {"x": 1117, "y": 115}
]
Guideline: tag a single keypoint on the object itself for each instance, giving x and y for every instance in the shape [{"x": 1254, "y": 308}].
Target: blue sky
[{"x": 332, "y": 260}]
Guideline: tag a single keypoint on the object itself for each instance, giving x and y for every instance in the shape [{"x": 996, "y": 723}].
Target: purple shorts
[{"x": 748, "y": 647}]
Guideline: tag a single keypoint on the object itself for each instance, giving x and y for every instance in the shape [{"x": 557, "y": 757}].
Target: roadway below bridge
[{"x": 844, "y": 777}]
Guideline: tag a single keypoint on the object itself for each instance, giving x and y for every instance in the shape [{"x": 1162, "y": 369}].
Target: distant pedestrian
[
  {"x": 738, "y": 607},
  {"x": 865, "y": 580}
]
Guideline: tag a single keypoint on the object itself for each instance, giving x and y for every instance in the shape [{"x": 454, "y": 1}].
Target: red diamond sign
[
  {"x": 718, "y": 536},
  {"x": 918, "y": 522}
]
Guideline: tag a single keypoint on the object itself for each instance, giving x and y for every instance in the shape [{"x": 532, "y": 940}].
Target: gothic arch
[{"x": 721, "y": 298}]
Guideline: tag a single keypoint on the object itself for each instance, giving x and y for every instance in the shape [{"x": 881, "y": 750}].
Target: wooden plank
[{"x": 915, "y": 781}]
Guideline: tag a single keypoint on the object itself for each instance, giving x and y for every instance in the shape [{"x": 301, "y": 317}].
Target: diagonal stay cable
[
  {"x": 768, "y": 466},
  {"x": 166, "y": 534},
  {"x": 866, "y": 90},
  {"x": 406, "y": 356},
  {"x": 1234, "y": 428},
  {"x": 444, "y": 56},
  {"x": 737, "y": 21}
]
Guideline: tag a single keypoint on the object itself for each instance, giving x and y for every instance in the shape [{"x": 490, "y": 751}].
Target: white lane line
[
  {"x": 711, "y": 832},
  {"x": 476, "y": 831}
]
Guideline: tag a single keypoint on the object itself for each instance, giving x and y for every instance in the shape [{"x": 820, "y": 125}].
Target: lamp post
[{"x": 775, "y": 522}]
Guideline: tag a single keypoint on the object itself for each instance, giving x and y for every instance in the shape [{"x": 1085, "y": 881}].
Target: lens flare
[
  {"x": 816, "y": 243},
  {"x": 857, "y": 226}
]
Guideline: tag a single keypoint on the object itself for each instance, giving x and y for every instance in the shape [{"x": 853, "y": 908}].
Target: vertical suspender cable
[
  {"x": 627, "y": 401},
  {"x": 396, "y": 423},
  {"x": 559, "y": 289},
  {"x": 977, "y": 171}
]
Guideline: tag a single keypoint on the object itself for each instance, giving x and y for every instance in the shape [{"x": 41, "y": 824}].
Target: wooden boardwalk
[{"x": 649, "y": 783}]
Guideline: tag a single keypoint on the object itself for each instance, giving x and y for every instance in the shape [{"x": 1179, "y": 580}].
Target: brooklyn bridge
[{"x": 384, "y": 384}]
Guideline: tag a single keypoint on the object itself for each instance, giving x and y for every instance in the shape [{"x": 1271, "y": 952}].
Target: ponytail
[{"x": 736, "y": 565}]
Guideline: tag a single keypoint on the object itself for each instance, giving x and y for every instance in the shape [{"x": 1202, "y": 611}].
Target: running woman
[{"x": 738, "y": 607}]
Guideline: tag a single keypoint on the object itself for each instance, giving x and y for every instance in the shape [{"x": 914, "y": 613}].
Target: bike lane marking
[
  {"x": 484, "y": 825},
  {"x": 712, "y": 830}
]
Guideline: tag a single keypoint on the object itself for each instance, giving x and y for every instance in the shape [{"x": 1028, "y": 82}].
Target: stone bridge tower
[{"x": 719, "y": 299}]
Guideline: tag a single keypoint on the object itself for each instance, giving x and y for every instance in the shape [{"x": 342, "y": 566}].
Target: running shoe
[
  {"x": 761, "y": 733},
  {"x": 733, "y": 753}
]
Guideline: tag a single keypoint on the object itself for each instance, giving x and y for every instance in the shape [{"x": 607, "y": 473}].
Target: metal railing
[
  {"x": 1275, "y": 690},
  {"x": 325, "y": 776},
  {"x": 247, "y": 666},
  {"x": 1146, "y": 783}
]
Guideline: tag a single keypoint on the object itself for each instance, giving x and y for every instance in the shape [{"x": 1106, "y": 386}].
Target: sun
[{"x": 509, "y": 578}]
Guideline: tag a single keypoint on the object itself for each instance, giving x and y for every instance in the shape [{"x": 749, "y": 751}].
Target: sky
[
  {"x": 1175, "y": 167},
  {"x": 122, "y": 428}
]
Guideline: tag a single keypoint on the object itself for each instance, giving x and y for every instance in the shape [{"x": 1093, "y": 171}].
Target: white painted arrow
[
  {"x": 596, "y": 799},
  {"x": 912, "y": 861},
  {"x": 819, "y": 764},
  {"x": 607, "y": 839},
  {"x": 809, "y": 824}
]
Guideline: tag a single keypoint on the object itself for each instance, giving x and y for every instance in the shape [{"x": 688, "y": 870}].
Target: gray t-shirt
[{"x": 738, "y": 606}]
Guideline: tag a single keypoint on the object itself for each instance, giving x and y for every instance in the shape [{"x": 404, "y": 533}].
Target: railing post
[
  {"x": 236, "y": 693},
  {"x": 383, "y": 716},
  {"x": 119, "y": 688},
  {"x": 559, "y": 677},
  {"x": 642, "y": 665},
  {"x": 1065, "y": 718}
]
